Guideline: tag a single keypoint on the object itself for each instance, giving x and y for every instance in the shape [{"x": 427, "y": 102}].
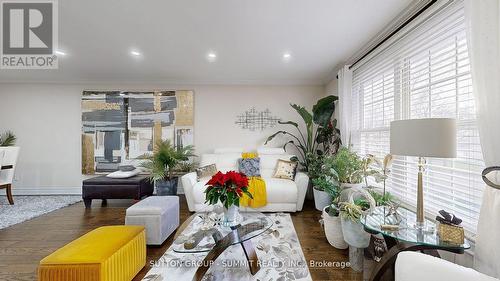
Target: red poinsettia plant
[{"x": 227, "y": 188}]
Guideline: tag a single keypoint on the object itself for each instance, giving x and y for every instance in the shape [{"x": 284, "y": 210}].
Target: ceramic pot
[
  {"x": 354, "y": 234},
  {"x": 321, "y": 199},
  {"x": 333, "y": 230},
  {"x": 166, "y": 187}
]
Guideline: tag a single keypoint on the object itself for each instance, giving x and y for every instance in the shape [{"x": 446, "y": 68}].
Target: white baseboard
[{"x": 73, "y": 190}]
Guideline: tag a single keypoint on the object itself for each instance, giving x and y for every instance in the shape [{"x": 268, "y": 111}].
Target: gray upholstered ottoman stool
[{"x": 159, "y": 214}]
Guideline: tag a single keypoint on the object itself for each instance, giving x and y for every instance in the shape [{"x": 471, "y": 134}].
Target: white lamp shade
[{"x": 431, "y": 137}]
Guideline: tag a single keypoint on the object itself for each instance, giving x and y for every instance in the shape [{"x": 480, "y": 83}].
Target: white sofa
[
  {"x": 282, "y": 195},
  {"x": 413, "y": 266}
]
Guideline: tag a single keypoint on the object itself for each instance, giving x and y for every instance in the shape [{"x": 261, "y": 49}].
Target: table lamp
[{"x": 430, "y": 137}]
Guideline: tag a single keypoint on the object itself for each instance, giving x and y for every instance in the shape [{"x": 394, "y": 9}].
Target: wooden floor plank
[{"x": 23, "y": 245}]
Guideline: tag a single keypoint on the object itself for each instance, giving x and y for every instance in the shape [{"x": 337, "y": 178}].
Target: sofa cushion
[
  {"x": 281, "y": 190},
  {"x": 198, "y": 191},
  {"x": 224, "y": 162},
  {"x": 270, "y": 150}
]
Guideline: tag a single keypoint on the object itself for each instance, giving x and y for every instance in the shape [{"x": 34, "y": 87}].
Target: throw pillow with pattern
[
  {"x": 206, "y": 171},
  {"x": 249, "y": 166},
  {"x": 285, "y": 169}
]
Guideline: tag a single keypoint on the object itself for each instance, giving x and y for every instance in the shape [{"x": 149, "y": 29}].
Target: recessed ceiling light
[
  {"x": 135, "y": 53},
  {"x": 211, "y": 56},
  {"x": 287, "y": 56},
  {"x": 61, "y": 53}
]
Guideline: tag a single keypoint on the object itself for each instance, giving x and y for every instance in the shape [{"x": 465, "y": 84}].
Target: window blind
[{"x": 423, "y": 73}]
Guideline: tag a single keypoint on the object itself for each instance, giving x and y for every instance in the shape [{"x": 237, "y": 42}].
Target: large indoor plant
[
  {"x": 162, "y": 163},
  {"x": 227, "y": 189},
  {"x": 320, "y": 136}
]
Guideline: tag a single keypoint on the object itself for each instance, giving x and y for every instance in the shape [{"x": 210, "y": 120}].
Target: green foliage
[
  {"x": 333, "y": 210},
  {"x": 382, "y": 199},
  {"x": 328, "y": 185},
  {"x": 8, "y": 139},
  {"x": 165, "y": 159},
  {"x": 347, "y": 164},
  {"x": 320, "y": 135},
  {"x": 225, "y": 196},
  {"x": 351, "y": 211}
]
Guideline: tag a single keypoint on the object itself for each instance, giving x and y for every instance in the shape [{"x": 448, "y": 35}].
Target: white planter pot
[
  {"x": 354, "y": 234},
  {"x": 344, "y": 185},
  {"x": 333, "y": 231},
  {"x": 321, "y": 199}
]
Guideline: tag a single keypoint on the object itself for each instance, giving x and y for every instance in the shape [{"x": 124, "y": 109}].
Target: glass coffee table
[
  {"x": 204, "y": 233},
  {"x": 405, "y": 238}
]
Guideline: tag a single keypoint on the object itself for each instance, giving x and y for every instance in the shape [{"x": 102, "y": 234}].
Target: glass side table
[
  {"x": 202, "y": 236},
  {"x": 406, "y": 238}
]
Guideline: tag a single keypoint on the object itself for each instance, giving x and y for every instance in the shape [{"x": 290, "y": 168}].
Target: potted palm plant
[{"x": 162, "y": 164}]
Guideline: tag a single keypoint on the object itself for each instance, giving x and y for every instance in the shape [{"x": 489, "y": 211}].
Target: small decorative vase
[{"x": 231, "y": 215}]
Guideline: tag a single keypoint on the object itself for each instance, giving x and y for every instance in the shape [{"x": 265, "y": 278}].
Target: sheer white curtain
[
  {"x": 483, "y": 19},
  {"x": 344, "y": 106}
]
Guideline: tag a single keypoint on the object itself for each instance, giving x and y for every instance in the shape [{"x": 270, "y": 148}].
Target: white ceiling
[{"x": 174, "y": 37}]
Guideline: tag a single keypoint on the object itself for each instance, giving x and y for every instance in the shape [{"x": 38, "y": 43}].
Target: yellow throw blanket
[{"x": 256, "y": 187}]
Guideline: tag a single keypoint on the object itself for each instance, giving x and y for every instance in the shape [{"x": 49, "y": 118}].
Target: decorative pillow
[
  {"x": 206, "y": 171},
  {"x": 249, "y": 166},
  {"x": 123, "y": 175},
  {"x": 285, "y": 169}
]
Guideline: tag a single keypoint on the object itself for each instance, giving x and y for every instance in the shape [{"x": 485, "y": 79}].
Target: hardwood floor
[{"x": 22, "y": 246}]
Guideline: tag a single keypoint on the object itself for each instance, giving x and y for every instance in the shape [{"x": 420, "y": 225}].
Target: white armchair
[
  {"x": 8, "y": 159},
  {"x": 414, "y": 266}
]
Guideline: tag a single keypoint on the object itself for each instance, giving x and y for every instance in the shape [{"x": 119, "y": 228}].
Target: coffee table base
[{"x": 221, "y": 245}]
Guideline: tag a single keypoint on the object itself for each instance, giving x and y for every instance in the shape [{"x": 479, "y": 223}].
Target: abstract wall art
[
  {"x": 120, "y": 126},
  {"x": 253, "y": 120}
]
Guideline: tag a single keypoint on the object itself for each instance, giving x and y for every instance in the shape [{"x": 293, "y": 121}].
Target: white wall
[{"x": 46, "y": 118}]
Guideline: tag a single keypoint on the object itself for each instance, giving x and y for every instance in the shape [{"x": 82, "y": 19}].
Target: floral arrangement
[{"x": 227, "y": 188}]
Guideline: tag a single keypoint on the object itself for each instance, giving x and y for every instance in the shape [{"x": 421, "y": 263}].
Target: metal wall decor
[{"x": 256, "y": 120}]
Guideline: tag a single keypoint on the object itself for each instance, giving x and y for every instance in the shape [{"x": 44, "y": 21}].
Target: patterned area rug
[
  {"x": 28, "y": 207},
  {"x": 278, "y": 249}
]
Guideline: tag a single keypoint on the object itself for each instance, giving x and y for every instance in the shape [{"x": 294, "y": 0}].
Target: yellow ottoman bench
[{"x": 108, "y": 253}]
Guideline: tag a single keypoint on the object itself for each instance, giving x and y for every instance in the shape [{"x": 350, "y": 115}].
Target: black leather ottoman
[{"x": 104, "y": 188}]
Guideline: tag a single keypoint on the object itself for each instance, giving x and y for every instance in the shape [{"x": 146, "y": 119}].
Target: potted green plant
[
  {"x": 349, "y": 167},
  {"x": 330, "y": 212},
  {"x": 359, "y": 203},
  {"x": 320, "y": 137},
  {"x": 333, "y": 226},
  {"x": 325, "y": 188},
  {"x": 162, "y": 164},
  {"x": 228, "y": 188}
]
